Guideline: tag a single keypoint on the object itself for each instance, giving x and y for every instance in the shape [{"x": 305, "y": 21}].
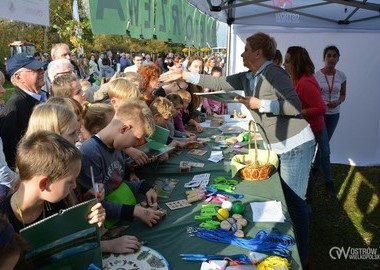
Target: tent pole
[{"x": 228, "y": 64}]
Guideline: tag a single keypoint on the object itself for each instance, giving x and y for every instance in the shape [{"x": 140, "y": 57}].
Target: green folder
[
  {"x": 121, "y": 195},
  {"x": 160, "y": 134},
  {"x": 64, "y": 241}
]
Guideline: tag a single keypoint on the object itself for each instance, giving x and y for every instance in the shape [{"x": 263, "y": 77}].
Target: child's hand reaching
[
  {"x": 123, "y": 244},
  {"x": 97, "y": 215},
  {"x": 138, "y": 156},
  {"x": 198, "y": 127},
  {"x": 162, "y": 158},
  {"x": 191, "y": 137},
  {"x": 151, "y": 197},
  {"x": 147, "y": 215}
]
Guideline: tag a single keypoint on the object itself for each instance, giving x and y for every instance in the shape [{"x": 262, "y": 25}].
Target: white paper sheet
[{"x": 270, "y": 211}]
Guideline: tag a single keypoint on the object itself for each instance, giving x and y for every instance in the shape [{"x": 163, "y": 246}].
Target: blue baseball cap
[{"x": 23, "y": 60}]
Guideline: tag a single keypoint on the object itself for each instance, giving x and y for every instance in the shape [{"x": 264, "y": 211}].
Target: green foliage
[
  {"x": 8, "y": 90},
  {"x": 62, "y": 29}
]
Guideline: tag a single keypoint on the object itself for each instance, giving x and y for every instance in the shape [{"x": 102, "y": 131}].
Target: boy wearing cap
[{"x": 27, "y": 75}]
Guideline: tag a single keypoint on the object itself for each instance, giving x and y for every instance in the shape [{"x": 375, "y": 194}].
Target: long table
[{"x": 170, "y": 236}]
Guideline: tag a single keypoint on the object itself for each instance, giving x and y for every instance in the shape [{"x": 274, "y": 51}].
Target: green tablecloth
[{"x": 170, "y": 237}]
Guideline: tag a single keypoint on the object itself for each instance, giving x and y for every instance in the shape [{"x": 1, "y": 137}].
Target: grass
[
  {"x": 8, "y": 90},
  {"x": 351, "y": 221}
]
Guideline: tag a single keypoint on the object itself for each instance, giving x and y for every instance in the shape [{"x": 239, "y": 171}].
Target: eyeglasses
[
  {"x": 63, "y": 73},
  {"x": 30, "y": 70}
]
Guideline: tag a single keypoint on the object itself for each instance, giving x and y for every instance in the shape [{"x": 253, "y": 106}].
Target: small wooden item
[
  {"x": 184, "y": 167},
  {"x": 155, "y": 206},
  {"x": 216, "y": 121}
]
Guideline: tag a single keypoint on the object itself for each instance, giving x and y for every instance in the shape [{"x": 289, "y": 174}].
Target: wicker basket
[{"x": 256, "y": 168}]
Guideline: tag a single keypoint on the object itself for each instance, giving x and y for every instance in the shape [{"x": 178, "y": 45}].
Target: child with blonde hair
[
  {"x": 96, "y": 117},
  {"x": 67, "y": 85},
  {"x": 104, "y": 153},
  {"x": 88, "y": 89},
  {"x": 178, "y": 118},
  {"x": 121, "y": 90},
  {"x": 163, "y": 111},
  {"x": 77, "y": 108},
  {"x": 56, "y": 118},
  {"x": 136, "y": 79},
  {"x": 48, "y": 165},
  {"x": 60, "y": 119},
  {"x": 71, "y": 103}
]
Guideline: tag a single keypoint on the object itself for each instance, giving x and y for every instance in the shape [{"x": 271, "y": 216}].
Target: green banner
[
  {"x": 211, "y": 32},
  {"x": 162, "y": 20},
  {"x": 108, "y": 17},
  {"x": 140, "y": 15},
  {"x": 188, "y": 23},
  {"x": 176, "y": 22},
  {"x": 170, "y": 20}
]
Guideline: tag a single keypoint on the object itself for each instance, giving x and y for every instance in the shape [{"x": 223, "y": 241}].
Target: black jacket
[{"x": 14, "y": 120}]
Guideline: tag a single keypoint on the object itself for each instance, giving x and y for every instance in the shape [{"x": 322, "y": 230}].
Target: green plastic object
[
  {"x": 246, "y": 136},
  {"x": 238, "y": 207},
  {"x": 225, "y": 181},
  {"x": 224, "y": 187},
  {"x": 210, "y": 224},
  {"x": 121, "y": 195}
]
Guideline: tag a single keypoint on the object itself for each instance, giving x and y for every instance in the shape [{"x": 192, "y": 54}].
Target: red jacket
[{"x": 309, "y": 92}]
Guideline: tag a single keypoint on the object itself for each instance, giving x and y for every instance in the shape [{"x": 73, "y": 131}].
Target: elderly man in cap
[{"x": 27, "y": 75}]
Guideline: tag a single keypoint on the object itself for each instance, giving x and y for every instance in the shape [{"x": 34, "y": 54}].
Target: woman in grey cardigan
[{"x": 276, "y": 108}]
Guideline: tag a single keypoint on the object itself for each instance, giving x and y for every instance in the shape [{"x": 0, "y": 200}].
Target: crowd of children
[{"x": 82, "y": 133}]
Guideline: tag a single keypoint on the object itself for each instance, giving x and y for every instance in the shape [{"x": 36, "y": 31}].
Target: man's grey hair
[{"x": 57, "y": 66}]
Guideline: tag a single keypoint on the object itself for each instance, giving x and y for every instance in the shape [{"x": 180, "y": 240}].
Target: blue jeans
[
  {"x": 323, "y": 155},
  {"x": 331, "y": 121},
  {"x": 294, "y": 173}
]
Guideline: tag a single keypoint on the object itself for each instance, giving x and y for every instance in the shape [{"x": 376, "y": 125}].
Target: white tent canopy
[
  {"x": 357, "y": 138},
  {"x": 337, "y": 14}
]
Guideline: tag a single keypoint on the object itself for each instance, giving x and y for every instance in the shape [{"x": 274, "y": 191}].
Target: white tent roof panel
[{"x": 336, "y": 14}]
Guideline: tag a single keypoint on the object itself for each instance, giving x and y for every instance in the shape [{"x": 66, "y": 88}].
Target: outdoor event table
[{"x": 170, "y": 237}]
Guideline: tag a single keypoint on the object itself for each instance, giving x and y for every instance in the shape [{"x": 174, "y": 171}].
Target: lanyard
[{"x": 330, "y": 86}]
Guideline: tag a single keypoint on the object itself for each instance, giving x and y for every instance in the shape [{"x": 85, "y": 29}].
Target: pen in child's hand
[{"x": 94, "y": 185}]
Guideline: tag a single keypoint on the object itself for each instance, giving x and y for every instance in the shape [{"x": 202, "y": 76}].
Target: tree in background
[{"x": 62, "y": 29}]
